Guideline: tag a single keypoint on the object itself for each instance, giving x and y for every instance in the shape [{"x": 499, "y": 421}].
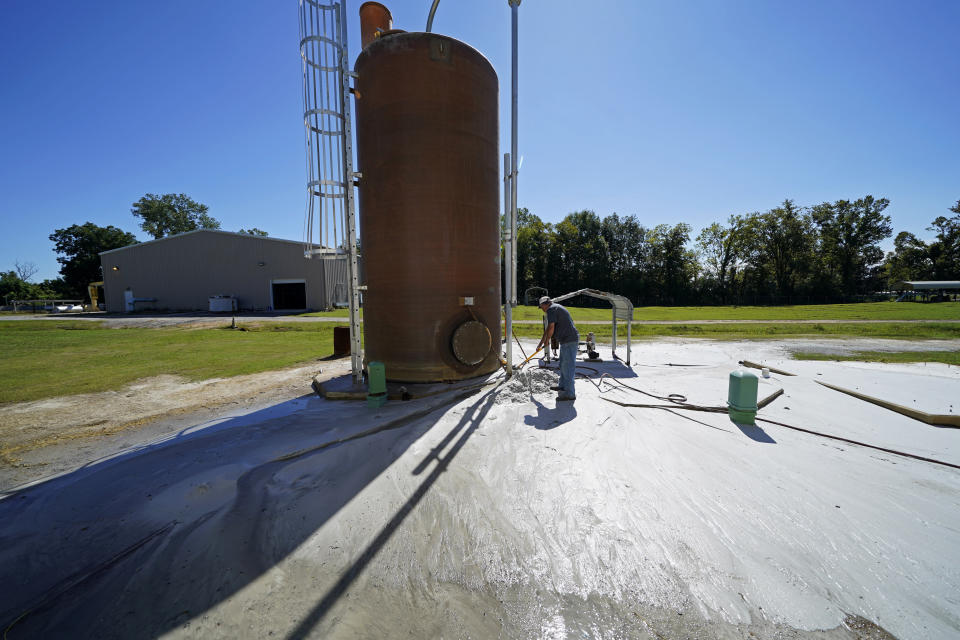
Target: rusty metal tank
[
  {"x": 374, "y": 19},
  {"x": 427, "y": 148}
]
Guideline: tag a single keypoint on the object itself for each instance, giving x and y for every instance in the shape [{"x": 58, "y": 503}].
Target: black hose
[
  {"x": 862, "y": 444},
  {"x": 676, "y": 398},
  {"x": 692, "y": 407}
]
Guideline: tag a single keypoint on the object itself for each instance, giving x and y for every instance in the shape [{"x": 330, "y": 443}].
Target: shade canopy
[
  {"x": 919, "y": 285},
  {"x": 622, "y": 310}
]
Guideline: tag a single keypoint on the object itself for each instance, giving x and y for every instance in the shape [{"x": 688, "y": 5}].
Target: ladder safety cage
[
  {"x": 330, "y": 225},
  {"x": 321, "y": 38}
]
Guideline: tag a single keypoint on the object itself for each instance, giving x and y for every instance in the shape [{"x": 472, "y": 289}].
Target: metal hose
[{"x": 433, "y": 10}]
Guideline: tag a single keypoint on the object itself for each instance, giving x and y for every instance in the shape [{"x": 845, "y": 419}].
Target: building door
[{"x": 289, "y": 295}]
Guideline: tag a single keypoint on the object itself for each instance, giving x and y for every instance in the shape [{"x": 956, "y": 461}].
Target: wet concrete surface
[{"x": 506, "y": 514}]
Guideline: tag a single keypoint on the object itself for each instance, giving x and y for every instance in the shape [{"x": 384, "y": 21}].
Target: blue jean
[{"x": 568, "y": 361}]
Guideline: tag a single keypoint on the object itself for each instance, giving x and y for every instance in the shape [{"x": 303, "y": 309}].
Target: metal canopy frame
[
  {"x": 927, "y": 285},
  {"x": 622, "y": 310}
]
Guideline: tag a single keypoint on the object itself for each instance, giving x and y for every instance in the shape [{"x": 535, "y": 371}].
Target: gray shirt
[{"x": 564, "y": 330}]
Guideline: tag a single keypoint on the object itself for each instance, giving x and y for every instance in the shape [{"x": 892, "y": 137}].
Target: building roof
[
  {"x": 180, "y": 235},
  {"x": 932, "y": 284}
]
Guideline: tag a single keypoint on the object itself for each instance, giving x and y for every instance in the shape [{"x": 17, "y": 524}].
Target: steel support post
[
  {"x": 614, "y": 333},
  {"x": 510, "y": 215},
  {"x": 507, "y": 265},
  {"x": 514, "y": 156}
]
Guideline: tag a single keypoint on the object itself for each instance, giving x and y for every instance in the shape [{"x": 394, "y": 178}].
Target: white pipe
[
  {"x": 514, "y": 156},
  {"x": 507, "y": 263}
]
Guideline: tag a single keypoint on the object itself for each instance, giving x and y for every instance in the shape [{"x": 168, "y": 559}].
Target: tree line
[
  {"x": 829, "y": 252},
  {"x": 790, "y": 254},
  {"x": 78, "y": 246}
]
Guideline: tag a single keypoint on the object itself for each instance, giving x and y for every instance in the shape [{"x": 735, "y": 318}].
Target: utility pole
[
  {"x": 510, "y": 213},
  {"x": 507, "y": 262}
]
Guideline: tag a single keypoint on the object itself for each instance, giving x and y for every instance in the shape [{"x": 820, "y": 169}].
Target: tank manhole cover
[{"x": 471, "y": 342}]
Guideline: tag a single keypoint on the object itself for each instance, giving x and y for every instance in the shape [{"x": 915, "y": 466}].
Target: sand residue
[
  {"x": 526, "y": 383},
  {"x": 68, "y": 428}
]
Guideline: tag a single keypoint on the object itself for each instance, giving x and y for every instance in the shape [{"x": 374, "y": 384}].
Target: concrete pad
[
  {"x": 509, "y": 514},
  {"x": 344, "y": 388}
]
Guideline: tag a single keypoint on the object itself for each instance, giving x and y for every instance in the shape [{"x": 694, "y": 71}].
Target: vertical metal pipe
[
  {"x": 350, "y": 222},
  {"x": 514, "y": 7},
  {"x": 613, "y": 335},
  {"x": 433, "y": 11},
  {"x": 510, "y": 214},
  {"x": 507, "y": 271}
]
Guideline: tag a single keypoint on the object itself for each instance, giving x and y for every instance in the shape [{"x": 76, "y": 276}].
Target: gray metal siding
[{"x": 183, "y": 271}]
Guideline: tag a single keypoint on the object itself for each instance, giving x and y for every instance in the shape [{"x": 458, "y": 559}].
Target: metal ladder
[{"x": 327, "y": 119}]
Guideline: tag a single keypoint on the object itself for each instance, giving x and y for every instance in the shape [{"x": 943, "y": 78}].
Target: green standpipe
[
  {"x": 376, "y": 384},
  {"x": 742, "y": 397}
]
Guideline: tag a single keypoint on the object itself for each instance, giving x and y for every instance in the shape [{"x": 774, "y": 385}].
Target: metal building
[{"x": 182, "y": 273}]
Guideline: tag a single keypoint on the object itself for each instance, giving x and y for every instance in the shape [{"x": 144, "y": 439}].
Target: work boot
[{"x": 554, "y": 388}]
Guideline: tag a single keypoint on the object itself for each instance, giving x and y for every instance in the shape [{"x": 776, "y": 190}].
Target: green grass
[
  {"x": 812, "y": 312},
  {"x": 43, "y": 358},
  {"x": 896, "y": 331},
  {"x": 946, "y": 357},
  {"x": 336, "y": 313},
  {"x": 47, "y": 358}
]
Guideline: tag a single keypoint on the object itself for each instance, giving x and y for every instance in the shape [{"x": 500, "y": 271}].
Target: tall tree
[
  {"x": 79, "y": 247},
  {"x": 629, "y": 255},
  {"x": 25, "y": 270},
  {"x": 626, "y": 246},
  {"x": 720, "y": 247},
  {"x": 12, "y": 287},
  {"x": 786, "y": 244},
  {"x": 909, "y": 260},
  {"x": 253, "y": 231},
  {"x": 945, "y": 250},
  {"x": 533, "y": 250},
  {"x": 850, "y": 235},
  {"x": 170, "y": 214},
  {"x": 672, "y": 265},
  {"x": 586, "y": 252}
]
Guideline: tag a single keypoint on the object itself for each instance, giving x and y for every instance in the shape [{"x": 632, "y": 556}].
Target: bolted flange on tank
[{"x": 742, "y": 397}]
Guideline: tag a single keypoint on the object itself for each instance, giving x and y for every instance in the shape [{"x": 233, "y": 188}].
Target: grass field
[
  {"x": 47, "y": 358},
  {"x": 43, "y": 358},
  {"x": 946, "y": 357},
  {"x": 893, "y": 330},
  {"x": 812, "y": 312},
  {"x": 863, "y": 311}
]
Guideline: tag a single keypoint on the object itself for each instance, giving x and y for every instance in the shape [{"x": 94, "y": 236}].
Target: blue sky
[{"x": 674, "y": 111}]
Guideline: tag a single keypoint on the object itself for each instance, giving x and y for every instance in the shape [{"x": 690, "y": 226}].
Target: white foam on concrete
[{"x": 510, "y": 514}]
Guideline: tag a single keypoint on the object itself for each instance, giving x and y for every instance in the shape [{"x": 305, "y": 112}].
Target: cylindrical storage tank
[
  {"x": 427, "y": 148},
  {"x": 341, "y": 341}
]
